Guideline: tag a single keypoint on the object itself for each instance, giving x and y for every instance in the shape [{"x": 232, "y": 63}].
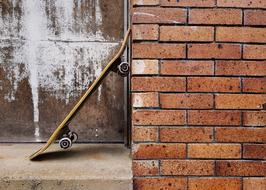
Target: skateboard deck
[{"x": 64, "y": 124}]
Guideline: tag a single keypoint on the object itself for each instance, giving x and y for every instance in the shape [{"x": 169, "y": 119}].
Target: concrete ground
[{"x": 84, "y": 166}]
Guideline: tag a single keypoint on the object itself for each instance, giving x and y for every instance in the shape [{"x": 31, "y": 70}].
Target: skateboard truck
[{"x": 67, "y": 137}]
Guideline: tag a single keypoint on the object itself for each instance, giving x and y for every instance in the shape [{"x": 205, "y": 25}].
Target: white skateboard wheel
[
  {"x": 65, "y": 143},
  {"x": 74, "y": 136}
]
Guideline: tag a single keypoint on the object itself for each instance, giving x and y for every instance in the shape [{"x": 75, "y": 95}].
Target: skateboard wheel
[
  {"x": 123, "y": 68},
  {"x": 74, "y": 136},
  {"x": 65, "y": 143}
]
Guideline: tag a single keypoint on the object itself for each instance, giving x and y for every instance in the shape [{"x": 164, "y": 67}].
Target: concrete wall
[
  {"x": 50, "y": 52},
  {"x": 198, "y": 86}
]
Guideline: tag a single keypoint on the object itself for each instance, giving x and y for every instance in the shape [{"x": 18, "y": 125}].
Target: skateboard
[{"x": 62, "y": 132}]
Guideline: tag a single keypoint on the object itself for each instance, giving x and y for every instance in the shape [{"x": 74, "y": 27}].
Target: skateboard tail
[
  {"x": 34, "y": 155},
  {"x": 49, "y": 142},
  {"x": 78, "y": 105}
]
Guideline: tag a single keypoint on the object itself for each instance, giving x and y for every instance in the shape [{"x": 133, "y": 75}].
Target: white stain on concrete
[
  {"x": 98, "y": 18},
  {"x": 34, "y": 32},
  {"x": 62, "y": 69},
  {"x": 98, "y": 13},
  {"x": 14, "y": 75}
]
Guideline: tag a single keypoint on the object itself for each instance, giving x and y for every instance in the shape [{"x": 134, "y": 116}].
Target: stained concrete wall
[{"x": 50, "y": 52}]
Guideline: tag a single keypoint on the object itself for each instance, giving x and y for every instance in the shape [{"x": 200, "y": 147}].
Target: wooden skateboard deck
[{"x": 79, "y": 104}]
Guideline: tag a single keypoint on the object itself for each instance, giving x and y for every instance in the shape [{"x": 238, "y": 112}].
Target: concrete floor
[{"x": 84, "y": 166}]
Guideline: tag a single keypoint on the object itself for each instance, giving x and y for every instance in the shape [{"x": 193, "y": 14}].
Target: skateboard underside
[{"x": 62, "y": 132}]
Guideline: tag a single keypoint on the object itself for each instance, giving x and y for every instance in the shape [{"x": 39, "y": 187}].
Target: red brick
[
  {"x": 187, "y": 68},
  {"x": 162, "y": 84},
  {"x": 214, "y": 51},
  {"x": 255, "y": 17},
  {"x": 187, "y": 167},
  {"x": 254, "y": 52},
  {"x": 145, "y": 167},
  {"x": 255, "y": 84},
  {"x": 145, "y": 32},
  {"x": 209, "y": 117},
  {"x": 240, "y": 168},
  {"x": 242, "y": 3},
  {"x": 240, "y": 34},
  {"x": 153, "y": 51},
  {"x": 157, "y": 151},
  {"x": 186, "y": 33},
  {"x": 145, "y": 67},
  {"x": 213, "y": 84},
  {"x": 240, "y": 101},
  {"x": 215, "y": 16},
  {"x": 254, "y": 151},
  {"x": 255, "y": 118},
  {"x": 144, "y": 134},
  {"x": 188, "y": 3},
  {"x": 156, "y": 117},
  {"x": 186, "y": 101},
  {"x": 241, "y": 68},
  {"x": 159, "y": 15},
  {"x": 186, "y": 134},
  {"x": 214, "y": 151},
  {"x": 212, "y": 183},
  {"x": 145, "y": 2},
  {"x": 169, "y": 183},
  {"x": 146, "y": 99},
  {"x": 252, "y": 183},
  {"x": 240, "y": 134}
]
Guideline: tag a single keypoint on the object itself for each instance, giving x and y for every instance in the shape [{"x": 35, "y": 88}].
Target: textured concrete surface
[
  {"x": 84, "y": 166},
  {"x": 50, "y": 53}
]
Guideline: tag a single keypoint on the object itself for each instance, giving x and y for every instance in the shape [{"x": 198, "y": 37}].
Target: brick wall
[{"x": 198, "y": 88}]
